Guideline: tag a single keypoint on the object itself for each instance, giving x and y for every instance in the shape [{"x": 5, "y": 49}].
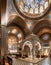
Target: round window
[{"x": 31, "y": 8}]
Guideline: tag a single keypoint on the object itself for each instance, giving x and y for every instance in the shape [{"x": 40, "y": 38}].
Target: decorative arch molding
[
  {"x": 45, "y": 30},
  {"x": 19, "y": 22},
  {"x": 27, "y": 43},
  {"x": 40, "y": 25}
]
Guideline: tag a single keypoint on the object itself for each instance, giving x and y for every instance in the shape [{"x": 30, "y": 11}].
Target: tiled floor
[{"x": 47, "y": 61}]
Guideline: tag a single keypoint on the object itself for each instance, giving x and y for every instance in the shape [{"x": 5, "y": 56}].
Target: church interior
[{"x": 25, "y": 32}]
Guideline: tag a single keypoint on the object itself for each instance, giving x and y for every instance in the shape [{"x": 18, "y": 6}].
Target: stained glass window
[
  {"x": 41, "y": 9},
  {"x": 36, "y": 10},
  {"x": 32, "y": 6},
  {"x": 31, "y": 10},
  {"x": 46, "y": 4},
  {"x": 45, "y": 37},
  {"x": 26, "y": 9}
]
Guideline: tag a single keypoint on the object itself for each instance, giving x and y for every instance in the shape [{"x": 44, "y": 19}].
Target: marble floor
[{"x": 47, "y": 61}]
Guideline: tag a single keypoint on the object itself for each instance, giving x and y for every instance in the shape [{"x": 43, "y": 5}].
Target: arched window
[{"x": 30, "y": 6}]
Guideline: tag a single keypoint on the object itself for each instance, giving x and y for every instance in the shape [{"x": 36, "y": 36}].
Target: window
[
  {"x": 12, "y": 44},
  {"x": 41, "y": 9},
  {"x": 31, "y": 8},
  {"x": 36, "y": 10},
  {"x": 26, "y": 9},
  {"x": 46, "y": 4}
]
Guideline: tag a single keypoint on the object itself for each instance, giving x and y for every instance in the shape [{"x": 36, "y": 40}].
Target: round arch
[
  {"x": 19, "y": 22},
  {"x": 27, "y": 43},
  {"x": 41, "y": 25},
  {"x": 44, "y": 30}
]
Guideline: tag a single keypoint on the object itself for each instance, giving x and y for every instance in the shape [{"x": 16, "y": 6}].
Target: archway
[
  {"x": 43, "y": 30},
  {"x": 27, "y": 48},
  {"x": 19, "y": 22}
]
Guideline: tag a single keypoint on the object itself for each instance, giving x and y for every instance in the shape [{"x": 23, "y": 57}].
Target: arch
[
  {"x": 44, "y": 30},
  {"x": 41, "y": 25},
  {"x": 18, "y": 21},
  {"x": 27, "y": 43}
]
